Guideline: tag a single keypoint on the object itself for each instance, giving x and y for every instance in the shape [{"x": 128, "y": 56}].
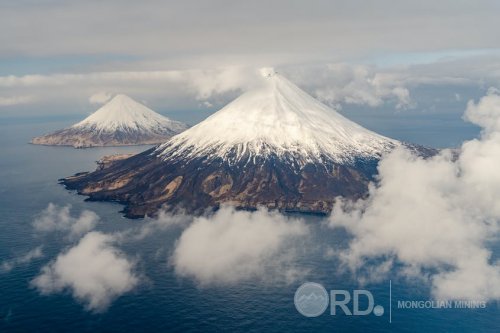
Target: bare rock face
[
  {"x": 274, "y": 146},
  {"x": 108, "y": 160}
]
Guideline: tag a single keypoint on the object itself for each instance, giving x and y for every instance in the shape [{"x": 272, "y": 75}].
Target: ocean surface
[{"x": 165, "y": 301}]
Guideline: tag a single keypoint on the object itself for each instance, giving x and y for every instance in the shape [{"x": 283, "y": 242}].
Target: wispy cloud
[
  {"x": 100, "y": 98},
  {"x": 8, "y": 265},
  {"x": 16, "y": 100},
  {"x": 59, "y": 219}
]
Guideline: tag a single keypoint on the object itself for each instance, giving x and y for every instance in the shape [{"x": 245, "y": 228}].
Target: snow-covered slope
[
  {"x": 122, "y": 121},
  {"x": 122, "y": 113},
  {"x": 278, "y": 118}
]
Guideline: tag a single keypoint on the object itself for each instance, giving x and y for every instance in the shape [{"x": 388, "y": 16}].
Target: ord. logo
[{"x": 311, "y": 300}]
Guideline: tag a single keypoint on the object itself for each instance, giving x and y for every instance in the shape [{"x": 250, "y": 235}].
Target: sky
[{"x": 386, "y": 64}]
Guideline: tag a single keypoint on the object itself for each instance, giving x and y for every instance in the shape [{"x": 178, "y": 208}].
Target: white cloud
[
  {"x": 210, "y": 83},
  {"x": 359, "y": 84},
  {"x": 94, "y": 271},
  {"x": 55, "y": 218},
  {"x": 16, "y": 100},
  {"x": 486, "y": 112},
  {"x": 232, "y": 246},
  {"x": 9, "y": 265},
  {"x": 100, "y": 98},
  {"x": 436, "y": 216}
]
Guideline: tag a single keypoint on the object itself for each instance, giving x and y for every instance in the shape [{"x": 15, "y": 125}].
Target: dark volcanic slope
[{"x": 145, "y": 183}]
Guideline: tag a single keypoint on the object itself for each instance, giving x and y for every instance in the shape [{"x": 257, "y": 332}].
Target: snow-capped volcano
[
  {"x": 121, "y": 121},
  {"x": 279, "y": 118},
  {"x": 124, "y": 114},
  {"x": 274, "y": 146}
]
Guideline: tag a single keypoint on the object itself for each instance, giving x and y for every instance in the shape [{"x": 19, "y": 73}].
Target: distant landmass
[{"x": 121, "y": 122}]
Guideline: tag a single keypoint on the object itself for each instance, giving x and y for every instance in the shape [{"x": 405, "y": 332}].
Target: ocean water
[{"x": 165, "y": 301}]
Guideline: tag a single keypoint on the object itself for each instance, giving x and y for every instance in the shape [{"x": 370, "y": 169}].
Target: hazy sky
[{"x": 188, "y": 58}]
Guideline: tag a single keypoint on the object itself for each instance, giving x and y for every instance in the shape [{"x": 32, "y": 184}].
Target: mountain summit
[
  {"x": 273, "y": 146},
  {"x": 280, "y": 119},
  {"x": 121, "y": 121}
]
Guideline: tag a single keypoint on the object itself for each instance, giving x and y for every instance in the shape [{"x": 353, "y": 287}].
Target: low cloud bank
[
  {"x": 94, "y": 271},
  {"x": 336, "y": 84},
  {"x": 232, "y": 246},
  {"x": 437, "y": 217}
]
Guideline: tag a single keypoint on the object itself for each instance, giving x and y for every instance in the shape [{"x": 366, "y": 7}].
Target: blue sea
[{"x": 165, "y": 301}]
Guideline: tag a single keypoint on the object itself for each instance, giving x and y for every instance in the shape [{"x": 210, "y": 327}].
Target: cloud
[
  {"x": 486, "y": 112},
  {"x": 9, "y": 265},
  {"x": 59, "y": 219},
  {"x": 100, "y": 98},
  {"x": 16, "y": 100},
  {"x": 232, "y": 246},
  {"x": 165, "y": 221},
  {"x": 334, "y": 83},
  {"x": 163, "y": 88},
  {"x": 93, "y": 27},
  {"x": 436, "y": 217},
  {"x": 341, "y": 83},
  {"x": 94, "y": 271}
]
